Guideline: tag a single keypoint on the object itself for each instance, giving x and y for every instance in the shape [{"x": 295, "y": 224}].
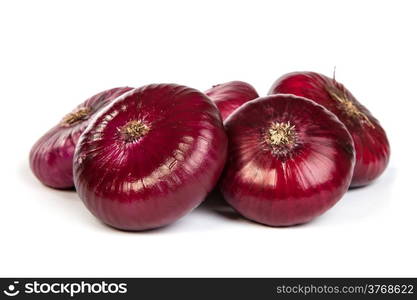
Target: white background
[{"x": 55, "y": 54}]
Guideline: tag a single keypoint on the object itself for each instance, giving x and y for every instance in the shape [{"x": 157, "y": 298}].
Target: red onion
[
  {"x": 150, "y": 157},
  {"x": 230, "y": 95},
  {"x": 51, "y": 156},
  {"x": 371, "y": 143},
  {"x": 289, "y": 160}
]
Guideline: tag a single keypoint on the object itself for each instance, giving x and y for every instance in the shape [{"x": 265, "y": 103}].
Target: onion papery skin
[
  {"x": 52, "y": 155},
  {"x": 167, "y": 170},
  {"x": 292, "y": 185},
  {"x": 231, "y": 95},
  {"x": 370, "y": 140}
]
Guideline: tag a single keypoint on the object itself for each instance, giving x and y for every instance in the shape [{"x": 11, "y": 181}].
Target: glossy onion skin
[
  {"x": 230, "y": 95},
  {"x": 154, "y": 180},
  {"x": 284, "y": 190},
  {"x": 371, "y": 142},
  {"x": 51, "y": 156}
]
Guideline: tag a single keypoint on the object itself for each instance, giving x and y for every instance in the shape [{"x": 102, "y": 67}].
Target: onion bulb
[
  {"x": 51, "y": 156},
  {"x": 230, "y": 95},
  {"x": 289, "y": 160},
  {"x": 150, "y": 157},
  {"x": 371, "y": 142}
]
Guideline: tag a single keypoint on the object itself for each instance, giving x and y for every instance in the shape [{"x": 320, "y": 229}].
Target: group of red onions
[{"x": 141, "y": 158}]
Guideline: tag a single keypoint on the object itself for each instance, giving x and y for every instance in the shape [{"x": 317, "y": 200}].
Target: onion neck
[
  {"x": 348, "y": 107},
  {"x": 134, "y": 130},
  {"x": 76, "y": 116},
  {"x": 281, "y": 137}
]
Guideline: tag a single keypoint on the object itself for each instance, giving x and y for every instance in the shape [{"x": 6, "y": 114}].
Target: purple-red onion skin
[
  {"x": 52, "y": 155},
  {"x": 157, "y": 178},
  {"x": 282, "y": 190},
  {"x": 370, "y": 140},
  {"x": 231, "y": 95}
]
